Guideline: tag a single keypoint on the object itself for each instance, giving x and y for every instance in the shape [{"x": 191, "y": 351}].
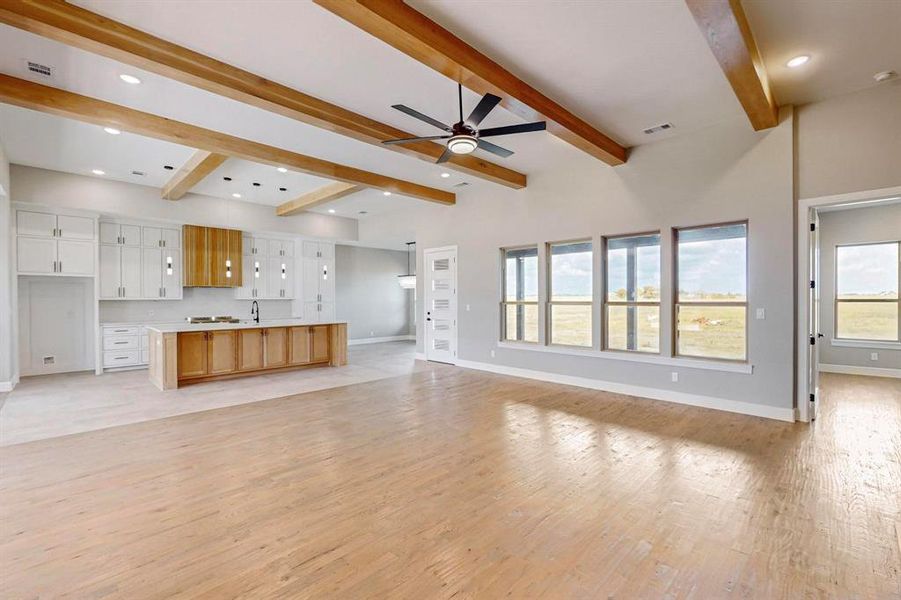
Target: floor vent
[
  {"x": 658, "y": 128},
  {"x": 49, "y": 360},
  {"x": 39, "y": 69}
]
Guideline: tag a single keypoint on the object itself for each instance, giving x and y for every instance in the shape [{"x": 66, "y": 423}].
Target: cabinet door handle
[
  {"x": 60, "y": 233},
  {"x": 60, "y": 266},
  {"x": 119, "y": 343}
]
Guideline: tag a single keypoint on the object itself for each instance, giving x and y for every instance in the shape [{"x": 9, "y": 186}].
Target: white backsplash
[{"x": 196, "y": 302}]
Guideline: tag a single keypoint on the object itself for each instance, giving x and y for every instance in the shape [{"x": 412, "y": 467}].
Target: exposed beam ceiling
[
  {"x": 729, "y": 36},
  {"x": 89, "y": 31},
  {"x": 327, "y": 193},
  {"x": 201, "y": 164},
  {"x": 75, "y": 106},
  {"x": 416, "y": 35}
]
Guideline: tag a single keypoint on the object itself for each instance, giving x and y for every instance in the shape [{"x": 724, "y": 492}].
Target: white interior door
[
  {"x": 441, "y": 304},
  {"x": 813, "y": 356}
]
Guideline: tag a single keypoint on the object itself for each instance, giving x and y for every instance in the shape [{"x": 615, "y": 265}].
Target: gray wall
[
  {"x": 722, "y": 173},
  {"x": 859, "y": 225},
  {"x": 367, "y": 294},
  {"x": 850, "y": 143},
  {"x": 7, "y": 366},
  {"x": 196, "y": 302}
]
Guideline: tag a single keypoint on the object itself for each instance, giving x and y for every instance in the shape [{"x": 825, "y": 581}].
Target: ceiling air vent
[
  {"x": 139, "y": 173},
  {"x": 461, "y": 184},
  {"x": 658, "y": 128},
  {"x": 39, "y": 69}
]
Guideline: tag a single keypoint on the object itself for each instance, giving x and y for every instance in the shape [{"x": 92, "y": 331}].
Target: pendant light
[
  {"x": 228, "y": 260},
  {"x": 408, "y": 281}
]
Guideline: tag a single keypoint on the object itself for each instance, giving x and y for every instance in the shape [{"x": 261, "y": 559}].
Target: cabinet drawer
[
  {"x": 121, "y": 359},
  {"x": 124, "y": 342},
  {"x": 124, "y": 330}
]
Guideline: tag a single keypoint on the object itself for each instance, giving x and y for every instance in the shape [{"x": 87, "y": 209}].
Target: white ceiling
[
  {"x": 622, "y": 65},
  {"x": 848, "y": 40}
]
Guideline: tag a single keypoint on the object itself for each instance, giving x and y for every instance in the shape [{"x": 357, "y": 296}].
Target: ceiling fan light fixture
[{"x": 462, "y": 144}]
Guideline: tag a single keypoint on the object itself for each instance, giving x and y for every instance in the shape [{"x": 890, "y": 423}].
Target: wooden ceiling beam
[
  {"x": 317, "y": 197},
  {"x": 201, "y": 164},
  {"x": 726, "y": 30},
  {"x": 80, "y": 28},
  {"x": 414, "y": 34},
  {"x": 35, "y": 96}
]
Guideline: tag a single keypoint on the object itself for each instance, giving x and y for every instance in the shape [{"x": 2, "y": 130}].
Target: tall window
[
  {"x": 570, "y": 293},
  {"x": 866, "y": 292},
  {"x": 633, "y": 293},
  {"x": 519, "y": 305},
  {"x": 711, "y": 291}
]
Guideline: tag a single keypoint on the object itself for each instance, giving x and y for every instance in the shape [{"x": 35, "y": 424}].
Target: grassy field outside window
[
  {"x": 867, "y": 305},
  {"x": 632, "y": 293},
  {"x": 519, "y": 300},
  {"x": 571, "y": 306}
]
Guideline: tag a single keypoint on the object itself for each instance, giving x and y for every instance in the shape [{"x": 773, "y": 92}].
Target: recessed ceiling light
[
  {"x": 129, "y": 79},
  {"x": 445, "y": 175},
  {"x": 331, "y": 210},
  {"x": 797, "y": 61},
  {"x": 98, "y": 172},
  {"x": 236, "y": 195},
  {"x": 386, "y": 193},
  {"x": 884, "y": 76},
  {"x": 282, "y": 170},
  {"x": 112, "y": 130}
]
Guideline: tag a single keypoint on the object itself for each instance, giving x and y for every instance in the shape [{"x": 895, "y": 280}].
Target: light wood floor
[
  {"x": 461, "y": 484},
  {"x": 53, "y": 405}
]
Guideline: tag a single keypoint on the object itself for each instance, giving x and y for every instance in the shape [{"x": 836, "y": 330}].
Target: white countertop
[{"x": 244, "y": 324}]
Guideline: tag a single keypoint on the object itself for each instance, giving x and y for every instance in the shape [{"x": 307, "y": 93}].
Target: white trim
[
  {"x": 874, "y": 344},
  {"x": 7, "y": 386},
  {"x": 420, "y": 356},
  {"x": 854, "y": 370},
  {"x": 734, "y": 406},
  {"x": 803, "y": 270},
  {"x": 379, "y": 340},
  {"x": 688, "y": 363}
]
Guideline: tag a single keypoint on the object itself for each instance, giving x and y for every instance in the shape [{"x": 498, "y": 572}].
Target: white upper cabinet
[
  {"x": 140, "y": 262},
  {"x": 268, "y": 269},
  {"x": 51, "y": 244},
  {"x": 120, "y": 234},
  {"x": 317, "y": 285}
]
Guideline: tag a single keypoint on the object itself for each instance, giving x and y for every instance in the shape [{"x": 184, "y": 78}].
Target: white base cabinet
[{"x": 124, "y": 346}]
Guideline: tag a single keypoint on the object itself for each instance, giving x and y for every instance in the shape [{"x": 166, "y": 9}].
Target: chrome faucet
[{"x": 255, "y": 311}]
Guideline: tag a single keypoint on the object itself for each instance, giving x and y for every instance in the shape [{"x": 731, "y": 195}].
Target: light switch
[
  {"x": 761, "y": 313},
  {"x": 492, "y": 352},
  {"x": 467, "y": 308},
  {"x": 675, "y": 376},
  {"x": 874, "y": 356}
]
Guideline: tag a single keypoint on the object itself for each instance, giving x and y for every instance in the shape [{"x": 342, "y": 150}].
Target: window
[
  {"x": 632, "y": 295},
  {"x": 570, "y": 292},
  {"x": 519, "y": 304},
  {"x": 711, "y": 291},
  {"x": 866, "y": 292}
]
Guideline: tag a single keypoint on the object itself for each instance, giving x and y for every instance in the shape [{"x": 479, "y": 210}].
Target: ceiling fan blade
[
  {"x": 485, "y": 106},
  {"x": 446, "y": 156},
  {"x": 495, "y": 149},
  {"x": 508, "y": 129},
  {"x": 418, "y": 115},
  {"x": 416, "y": 139}
]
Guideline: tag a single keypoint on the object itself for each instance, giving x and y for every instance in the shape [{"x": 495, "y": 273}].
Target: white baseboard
[
  {"x": 6, "y": 386},
  {"x": 379, "y": 340},
  {"x": 734, "y": 406},
  {"x": 420, "y": 356},
  {"x": 853, "y": 370}
]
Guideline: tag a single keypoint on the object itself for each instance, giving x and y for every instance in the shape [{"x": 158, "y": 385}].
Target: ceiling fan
[{"x": 465, "y": 136}]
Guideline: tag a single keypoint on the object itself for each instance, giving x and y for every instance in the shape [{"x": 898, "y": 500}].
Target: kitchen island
[{"x": 189, "y": 353}]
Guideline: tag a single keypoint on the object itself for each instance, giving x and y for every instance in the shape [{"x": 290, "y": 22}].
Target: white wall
[
  {"x": 7, "y": 347},
  {"x": 850, "y": 143},
  {"x": 367, "y": 294},
  {"x": 724, "y": 173},
  {"x": 859, "y": 225},
  {"x": 113, "y": 198}
]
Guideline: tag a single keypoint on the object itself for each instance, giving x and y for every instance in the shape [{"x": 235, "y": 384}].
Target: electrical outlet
[
  {"x": 874, "y": 356},
  {"x": 675, "y": 376},
  {"x": 371, "y": 333},
  {"x": 492, "y": 354},
  {"x": 150, "y": 313},
  {"x": 761, "y": 313},
  {"x": 467, "y": 308}
]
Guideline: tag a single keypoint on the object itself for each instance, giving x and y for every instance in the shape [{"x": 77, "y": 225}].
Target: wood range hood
[{"x": 212, "y": 257}]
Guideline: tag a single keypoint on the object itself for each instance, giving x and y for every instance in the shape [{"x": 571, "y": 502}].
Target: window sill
[
  {"x": 656, "y": 359},
  {"x": 873, "y": 344}
]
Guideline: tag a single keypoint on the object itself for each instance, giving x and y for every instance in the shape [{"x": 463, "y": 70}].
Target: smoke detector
[{"x": 884, "y": 76}]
